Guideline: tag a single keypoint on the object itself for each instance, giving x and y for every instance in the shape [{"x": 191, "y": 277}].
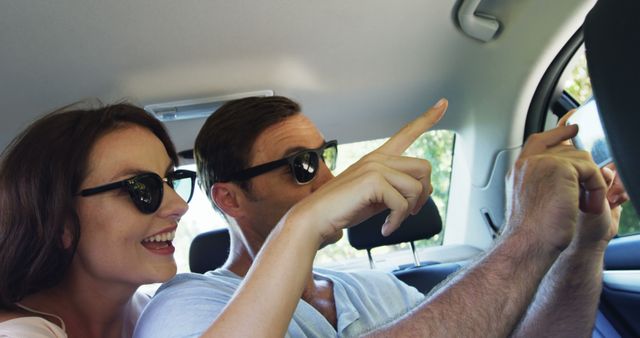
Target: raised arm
[
  {"x": 567, "y": 300},
  {"x": 491, "y": 296}
]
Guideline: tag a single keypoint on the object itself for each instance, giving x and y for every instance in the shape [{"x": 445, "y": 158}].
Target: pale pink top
[{"x": 38, "y": 327}]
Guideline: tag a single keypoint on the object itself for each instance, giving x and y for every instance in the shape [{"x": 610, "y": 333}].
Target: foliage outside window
[
  {"x": 579, "y": 87},
  {"x": 437, "y": 148}
]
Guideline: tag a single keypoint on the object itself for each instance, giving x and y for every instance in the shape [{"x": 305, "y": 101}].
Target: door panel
[{"x": 620, "y": 300}]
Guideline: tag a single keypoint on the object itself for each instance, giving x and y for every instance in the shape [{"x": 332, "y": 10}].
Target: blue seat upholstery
[
  {"x": 426, "y": 277},
  {"x": 209, "y": 250}
]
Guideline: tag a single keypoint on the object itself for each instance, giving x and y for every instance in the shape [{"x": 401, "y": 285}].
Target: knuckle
[
  {"x": 373, "y": 178},
  {"x": 535, "y": 162},
  {"x": 370, "y": 159},
  {"x": 426, "y": 164},
  {"x": 521, "y": 163},
  {"x": 372, "y": 166},
  {"x": 403, "y": 207},
  {"x": 534, "y": 138}
]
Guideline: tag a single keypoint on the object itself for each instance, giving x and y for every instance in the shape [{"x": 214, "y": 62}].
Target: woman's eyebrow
[
  {"x": 133, "y": 171},
  {"x": 128, "y": 172},
  {"x": 171, "y": 167}
]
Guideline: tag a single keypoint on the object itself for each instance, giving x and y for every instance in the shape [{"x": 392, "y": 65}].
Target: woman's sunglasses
[
  {"x": 146, "y": 190},
  {"x": 304, "y": 164}
]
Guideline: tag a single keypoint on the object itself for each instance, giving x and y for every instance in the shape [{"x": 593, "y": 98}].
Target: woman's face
[{"x": 118, "y": 243}]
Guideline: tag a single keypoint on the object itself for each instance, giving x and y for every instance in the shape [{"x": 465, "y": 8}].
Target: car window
[
  {"x": 578, "y": 86},
  {"x": 200, "y": 218},
  {"x": 435, "y": 146}
]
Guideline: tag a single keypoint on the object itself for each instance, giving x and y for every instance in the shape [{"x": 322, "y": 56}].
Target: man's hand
[
  {"x": 381, "y": 179},
  {"x": 599, "y": 229},
  {"x": 551, "y": 183}
]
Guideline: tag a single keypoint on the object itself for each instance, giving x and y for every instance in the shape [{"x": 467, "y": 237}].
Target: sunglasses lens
[
  {"x": 183, "y": 187},
  {"x": 305, "y": 166},
  {"x": 146, "y": 192},
  {"x": 329, "y": 156}
]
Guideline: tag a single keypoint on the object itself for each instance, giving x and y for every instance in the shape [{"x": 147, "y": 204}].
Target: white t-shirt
[{"x": 366, "y": 300}]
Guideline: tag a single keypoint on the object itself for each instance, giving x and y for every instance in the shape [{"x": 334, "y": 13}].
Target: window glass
[
  {"x": 578, "y": 85},
  {"x": 435, "y": 146},
  {"x": 200, "y": 218}
]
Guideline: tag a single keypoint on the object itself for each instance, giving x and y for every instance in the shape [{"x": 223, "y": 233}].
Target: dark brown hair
[
  {"x": 224, "y": 143},
  {"x": 40, "y": 174}
]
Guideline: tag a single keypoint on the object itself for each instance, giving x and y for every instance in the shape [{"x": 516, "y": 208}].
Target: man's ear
[{"x": 225, "y": 196}]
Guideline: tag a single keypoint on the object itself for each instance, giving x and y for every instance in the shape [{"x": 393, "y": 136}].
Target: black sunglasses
[
  {"x": 146, "y": 190},
  {"x": 303, "y": 164}
]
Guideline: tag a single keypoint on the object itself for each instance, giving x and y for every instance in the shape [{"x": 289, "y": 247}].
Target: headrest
[
  {"x": 612, "y": 45},
  {"x": 424, "y": 225},
  {"x": 209, "y": 250}
]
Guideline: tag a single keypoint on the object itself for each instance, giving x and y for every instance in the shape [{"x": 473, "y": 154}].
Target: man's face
[{"x": 272, "y": 194}]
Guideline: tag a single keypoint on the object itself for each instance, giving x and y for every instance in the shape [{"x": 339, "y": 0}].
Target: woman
[{"x": 85, "y": 219}]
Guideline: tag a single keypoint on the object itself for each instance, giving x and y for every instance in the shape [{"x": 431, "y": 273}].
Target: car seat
[{"x": 423, "y": 275}]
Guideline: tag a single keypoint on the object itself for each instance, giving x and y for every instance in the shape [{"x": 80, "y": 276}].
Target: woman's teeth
[{"x": 163, "y": 237}]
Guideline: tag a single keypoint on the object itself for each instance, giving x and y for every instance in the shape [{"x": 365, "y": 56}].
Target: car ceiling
[{"x": 347, "y": 62}]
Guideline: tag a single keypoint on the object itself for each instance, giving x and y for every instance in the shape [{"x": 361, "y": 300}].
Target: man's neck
[
  {"x": 318, "y": 291},
  {"x": 241, "y": 256}
]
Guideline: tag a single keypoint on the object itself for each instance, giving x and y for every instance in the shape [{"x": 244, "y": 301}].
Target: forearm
[
  {"x": 488, "y": 298},
  {"x": 272, "y": 288},
  {"x": 566, "y": 302}
]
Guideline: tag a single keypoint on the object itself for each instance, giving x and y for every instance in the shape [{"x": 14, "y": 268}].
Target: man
[{"x": 253, "y": 157}]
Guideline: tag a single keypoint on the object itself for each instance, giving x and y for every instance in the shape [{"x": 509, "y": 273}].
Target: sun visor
[{"x": 612, "y": 43}]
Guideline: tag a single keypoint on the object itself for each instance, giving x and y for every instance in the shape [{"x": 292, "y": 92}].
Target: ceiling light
[{"x": 196, "y": 108}]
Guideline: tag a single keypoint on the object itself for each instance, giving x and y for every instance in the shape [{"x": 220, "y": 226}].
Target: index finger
[
  {"x": 402, "y": 139},
  {"x": 538, "y": 143}
]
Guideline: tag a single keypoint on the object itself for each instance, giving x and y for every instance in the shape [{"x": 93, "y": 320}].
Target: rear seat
[{"x": 209, "y": 250}]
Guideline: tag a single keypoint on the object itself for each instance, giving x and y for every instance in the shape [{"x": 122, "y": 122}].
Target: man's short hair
[{"x": 224, "y": 144}]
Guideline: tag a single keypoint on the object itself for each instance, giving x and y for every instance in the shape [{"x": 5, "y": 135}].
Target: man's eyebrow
[{"x": 295, "y": 149}]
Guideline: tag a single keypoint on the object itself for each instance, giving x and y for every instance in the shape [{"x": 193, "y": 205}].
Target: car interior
[{"x": 360, "y": 70}]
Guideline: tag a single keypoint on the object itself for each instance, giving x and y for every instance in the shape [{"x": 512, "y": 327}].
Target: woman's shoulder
[
  {"x": 8, "y": 315},
  {"x": 19, "y": 325}
]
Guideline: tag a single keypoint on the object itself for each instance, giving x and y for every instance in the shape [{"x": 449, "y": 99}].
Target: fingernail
[
  {"x": 440, "y": 103},
  {"x": 386, "y": 220},
  {"x": 385, "y": 226}
]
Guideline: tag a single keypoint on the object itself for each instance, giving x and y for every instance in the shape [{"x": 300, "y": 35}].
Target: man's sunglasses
[
  {"x": 304, "y": 164},
  {"x": 146, "y": 190}
]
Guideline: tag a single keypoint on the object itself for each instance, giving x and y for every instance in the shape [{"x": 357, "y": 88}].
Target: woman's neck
[{"x": 87, "y": 307}]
